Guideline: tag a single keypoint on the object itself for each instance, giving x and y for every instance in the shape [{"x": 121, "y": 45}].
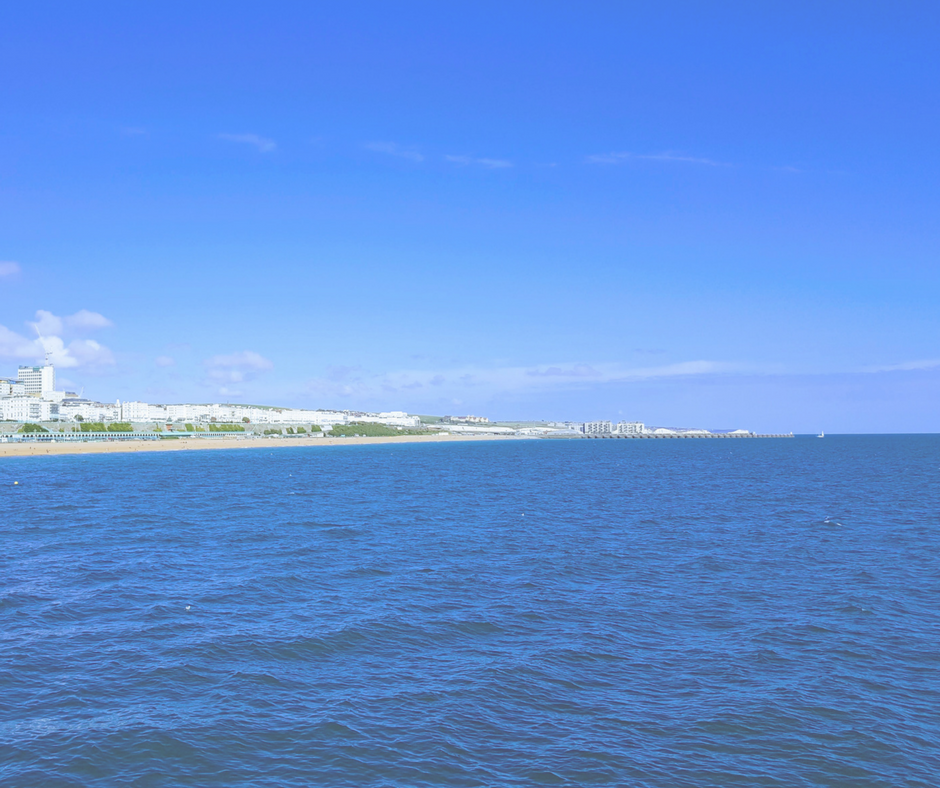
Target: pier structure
[{"x": 670, "y": 436}]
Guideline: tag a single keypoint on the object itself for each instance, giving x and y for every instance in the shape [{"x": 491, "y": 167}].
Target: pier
[{"x": 608, "y": 436}]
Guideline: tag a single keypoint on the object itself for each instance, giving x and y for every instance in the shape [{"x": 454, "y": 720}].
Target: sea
[{"x": 737, "y": 612}]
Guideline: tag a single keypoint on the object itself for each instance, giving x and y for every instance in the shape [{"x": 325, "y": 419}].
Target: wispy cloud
[
  {"x": 907, "y": 366},
  {"x": 490, "y": 164},
  {"x": 236, "y": 367},
  {"x": 340, "y": 372},
  {"x": 665, "y": 156},
  {"x": 263, "y": 144},
  {"x": 416, "y": 387},
  {"x": 164, "y": 361},
  {"x": 576, "y": 371},
  {"x": 394, "y": 149},
  {"x": 8, "y": 268},
  {"x": 612, "y": 373}
]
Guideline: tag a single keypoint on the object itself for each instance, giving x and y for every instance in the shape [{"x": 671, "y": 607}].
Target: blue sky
[{"x": 690, "y": 214}]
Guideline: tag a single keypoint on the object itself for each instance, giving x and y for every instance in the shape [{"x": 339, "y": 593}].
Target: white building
[
  {"x": 476, "y": 429},
  {"x": 597, "y": 428},
  {"x": 569, "y": 426},
  {"x": 157, "y": 413},
  {"x": 54, "y": 396},
  {"x": 327, "y": 418},
  {"x": 218, "y": 412},
  {"x": 324, "y": 419},
  {"x": 89, "y": 411},
  {"x": 392, "y": 418},
  {"x": 11, "y": 388},
  {"x": 142, "y": 411},
  {"x": 630, "y": 428},
  {"x": 467, "y": 419},
  {"x": 181, "y": 412},
  {"x": 238, "y": 413},
  {"x": 27, "y": 409},
  {"x": 37, "y": 380}
]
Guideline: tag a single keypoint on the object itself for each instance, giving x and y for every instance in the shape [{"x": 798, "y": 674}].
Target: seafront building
[
  {"x": 630, "y": 428},
  {"x": 27, "y": 409},
  {"x": 32, "y": 397}
]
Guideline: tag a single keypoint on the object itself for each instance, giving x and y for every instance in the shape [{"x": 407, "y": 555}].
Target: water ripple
[{"x": 664, "y": 614}]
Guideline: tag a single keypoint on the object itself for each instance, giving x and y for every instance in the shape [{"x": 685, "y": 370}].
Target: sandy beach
[{"x": 201, "y": 444}]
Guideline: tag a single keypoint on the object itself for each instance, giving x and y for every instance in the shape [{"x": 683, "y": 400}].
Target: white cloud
[
  {"x": 491, "y": 164},
  {"x": 16, "y": 346},
  {"x": 48, "y": 324},
  {"x": 8, "y": 268},
  {"x": 52, "y": 333},
  {"x": 85, "y": 353},
  {"x": 84, "y": 320},
  {"x": 79, "y": 353},
  {"x": 263, "y": 144},
  {"x": 164, "y": 361},
  {"x": 666, "y": 156},
  {"x": 236, "y": 367},
  {"x": 394, "y": 149}
]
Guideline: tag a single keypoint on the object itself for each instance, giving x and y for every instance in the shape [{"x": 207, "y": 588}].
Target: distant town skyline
[
  {"x": 32, "y": 399},
  {"x": 679, "y": 214}
]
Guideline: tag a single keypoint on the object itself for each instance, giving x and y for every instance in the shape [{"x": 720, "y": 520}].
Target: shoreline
[{"x": 43, "y": 449}]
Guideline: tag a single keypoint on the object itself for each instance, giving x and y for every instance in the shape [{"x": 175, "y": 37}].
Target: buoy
[
  {"x": 187, "y": 607},
  {"x": 15, "y": 482}
]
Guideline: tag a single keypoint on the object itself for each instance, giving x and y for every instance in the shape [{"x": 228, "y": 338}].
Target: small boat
[{"x": 821, "y": 435}]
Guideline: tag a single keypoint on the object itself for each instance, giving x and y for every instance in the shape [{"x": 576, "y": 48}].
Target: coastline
[{"x": 44, "y": 449}]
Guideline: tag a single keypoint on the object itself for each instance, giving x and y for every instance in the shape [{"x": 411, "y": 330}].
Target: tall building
[{"x": 37, "y": 380}]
